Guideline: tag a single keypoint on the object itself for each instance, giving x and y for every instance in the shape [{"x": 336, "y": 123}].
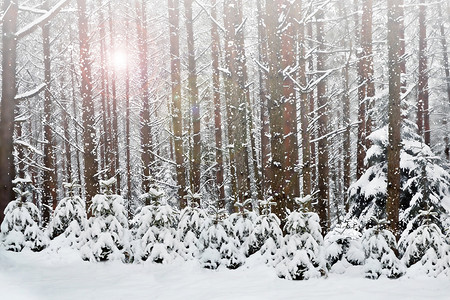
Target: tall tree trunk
[
  {"x": 323, "y": 205},
  {"x": 146, "y": 134},
  {"x": 367, "y": 64},
  {"x": 312, "y": 113},
  {"x": 215, "y": 52},
  {"x": 114, "y": 154},
  {"x": 447, "y": 79},
  {"x": 49, "y": 200},
  {"x": 393, "y": 153},
  {"x": 288, "y": 65},
  {"x": 7, "y": 109},
  {"x": 105, "y": 136},
  {"x": 304, "y": 113},
  {"x": 88, "y": 113},
  {"x": 275, "y": 8},
  {"x": 177, "y": 119},
  {"x": 264, "y": 114},
  {"x": 193, "y": 98},
  {"x": 423, "y": 116},
  {"x": 128, "y": 124}
]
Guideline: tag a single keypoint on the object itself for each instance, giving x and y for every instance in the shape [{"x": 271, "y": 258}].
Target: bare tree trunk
[
  {"x": 323, "y": 205},
  {"x": 447, "y": 79},
  {"x": 176, "y": 98},
  {"x": 146, "y": 135},
  {"x": 264, "y": 114},
  {"x": 275, "y": 8},
  {"x": 7, "y": 109},
  {"x": 215, "y": 52},
  {"x": 288, "y": 64},
  {"x": 423, "y": 116},
  {"x": 368, "y": 69},
  {"x": 304, "y": 113},
  {"x": 193, "y": 97},
  {"x": 88, "y": 113},
  {"x": 49, "y": 200},
  {"x": 393, "y": 152},
  {"x": 114, "y": 160},
  {"x": 128, "y": 125},
  {"x": 104, "y": 137}
]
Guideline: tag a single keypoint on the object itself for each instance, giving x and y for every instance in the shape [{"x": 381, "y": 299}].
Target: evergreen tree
[
  {"x": 69, "y": 220},
  {"x": 301, "y": 256},
  {"x": 20, "y": 227},
  {"x": 380, "y": 247},
  {"x": 154, "y": 229},
  {"x": 107, "y": 235},
  {"x": 343, "y": 248},
  {"x": 266, "y": 236}
]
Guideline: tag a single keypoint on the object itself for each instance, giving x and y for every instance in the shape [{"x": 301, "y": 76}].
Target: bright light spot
[{"x": 119, "y": 60}]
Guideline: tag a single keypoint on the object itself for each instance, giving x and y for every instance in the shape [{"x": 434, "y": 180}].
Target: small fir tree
[
  {"x": 241, "y": 223},
  {"x": 189, "y": 228},
  {"x": 20, "y": 227},
  {"x": 266, "y": 235},
  {"x": 380, "y": 247},
  {"x": 107, "y": 235},
  {"x": 423, "y": 244},
  {"x": 154, "y": 230},
  {"x": 301, "y": 256},
  {"x": 343, "y": 248},
  {"x": 69, "y": 220}
]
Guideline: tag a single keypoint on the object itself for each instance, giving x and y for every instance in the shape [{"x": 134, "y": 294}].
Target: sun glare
[{"x": 119, "y": 60}]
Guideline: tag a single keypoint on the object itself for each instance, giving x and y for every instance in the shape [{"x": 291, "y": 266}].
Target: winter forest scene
[{"x": 225, "y": 149}]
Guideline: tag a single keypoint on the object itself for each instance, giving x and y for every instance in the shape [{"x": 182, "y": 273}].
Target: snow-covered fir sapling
[
  {"x": 154, "y": 229},
  {"x": 301, "y": 256},
  {"x": 343, "y": 247},
  {"x": 423, "y": 244},
  {"x": 417, "y": 162},
  {"x": 20, "y": 227},
  {"x": 219, "y": 247},
  {"x": 266, "y": 235},
  {"x": 107, "y": 235},
  {"x": 189, "y": 228},
  {"x": 69, "y": 218},
  {"x": 241, "y": 223},
  {"x": 380, "y": 247}
]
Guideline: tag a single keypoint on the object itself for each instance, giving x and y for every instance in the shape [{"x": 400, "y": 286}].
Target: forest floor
[{"x": 63, "y": 276}]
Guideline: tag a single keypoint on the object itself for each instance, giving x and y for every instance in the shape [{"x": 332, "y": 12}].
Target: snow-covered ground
[{"x": 63, "y": 276}]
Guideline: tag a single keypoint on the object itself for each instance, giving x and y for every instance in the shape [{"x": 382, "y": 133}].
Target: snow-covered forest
[{"x": 308, "y": 137}]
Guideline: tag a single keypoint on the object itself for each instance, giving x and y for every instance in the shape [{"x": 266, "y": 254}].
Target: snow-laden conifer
[
  {"x": 218, "y": 246},
  {"x": 266, "y": 235},
  {"x": 417, "y": 163},
  {"x": 380, "y": 247},
  {"x": 154, "y": 229},
  {"x": 241, "y": 223},
  {"x": 107, "y": 235},
  {"x": 343, "y": 248},
  {"x": 20, "y": 227},
  {"x": 189, "y": 228},
  {"x": 423, "y": 244},
  {"x": 301, "y": 256},
  {"x": 69, "y": 218}
]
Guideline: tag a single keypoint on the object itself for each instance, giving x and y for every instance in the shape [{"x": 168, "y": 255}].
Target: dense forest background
[{"x": 345, "y": 103}]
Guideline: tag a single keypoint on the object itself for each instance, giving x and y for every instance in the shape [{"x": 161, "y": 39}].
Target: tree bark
[
  {"x": 146, "y": 134},
  {"x": 88, "y": 112},
  {"x": 423, "y": 117},
  {"x": 323, "y": 205},
  {"x": 193, "y": 98},
  {"x": 177, "y": 119},
  {"x": 49, "y": 200},
  {"x": 215, "y": 53},
  {"x": 7, "y": 109},
  {"x": 393, "y": 152}
]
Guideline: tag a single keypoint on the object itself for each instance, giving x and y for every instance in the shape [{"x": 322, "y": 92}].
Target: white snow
[{"x": 63, "y": 275}]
